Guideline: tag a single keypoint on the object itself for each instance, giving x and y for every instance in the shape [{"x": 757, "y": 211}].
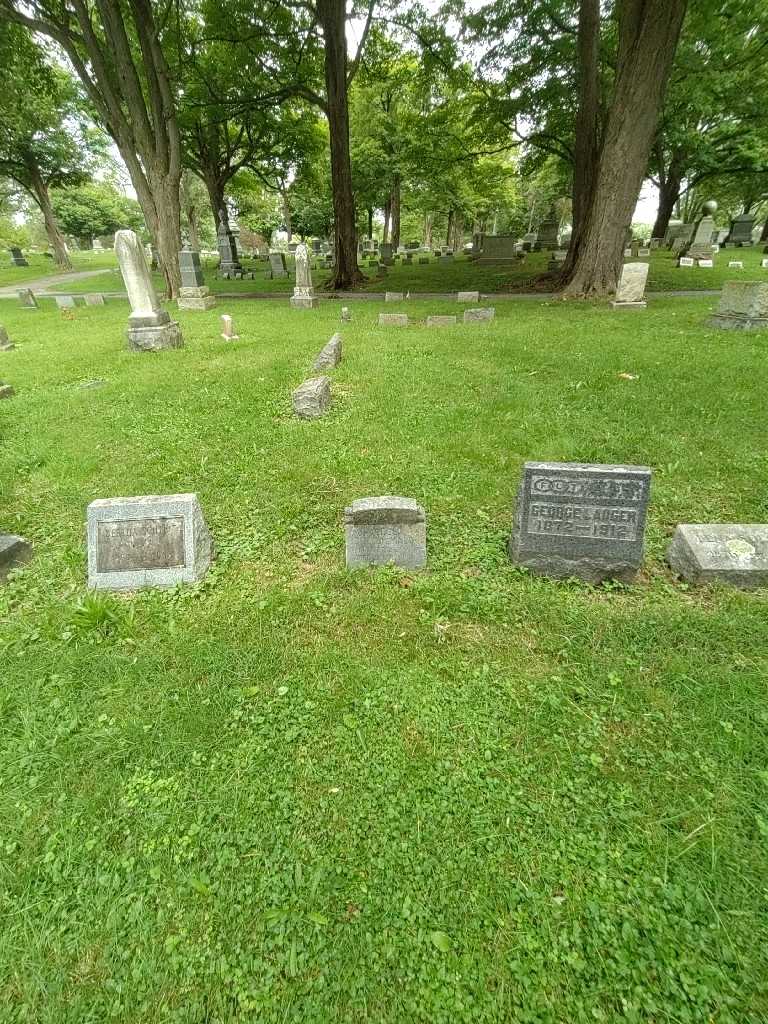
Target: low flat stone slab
[
  {"x": 743, "y": 306},
  {"x": 441, "y": 321},
  {"x": 386, "y": 530},
  {"x": 312, "y": 399},
  {"x": 147, "y": 541},
  {"x": 197, "y": 298},
  {"x": 65, "y": 301},
  {"x": 468, "y": 297},
  {"x": 393, "y": 319},
  {"x": 733, "y": 553},
  {"x": 580, "y": 519},
  {"x": 735, "y": 264},
  {"x": 94, "y": 299},
  {"x": 473, "y": 316},
  {"x": 330, "y": 355},
  {"x": 629, "y": 305},
  {"x": 14, "y": 551},
  {"x": 393, "y": 297}
]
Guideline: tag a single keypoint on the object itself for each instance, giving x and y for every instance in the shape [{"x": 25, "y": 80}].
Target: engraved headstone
[
  {"x": 468, "y": 297},
  {"x": 303, "y": 293},
  {"x": 150, "y": 328},
  {"x": 194, "y": 294},
  {"x": 732, "y": 553},
  {"x": 277, "y": 264},
  {"x": 393, "y": 319},
  {"x": 6, "y": 345},
  {"x": 386, "y": 530},
  {"x": 686, "y": 261},
  {"x": 17, "y": 257},
  {"x": 441, "y": 321},
  {"x": 735, "y": 264},
  {"x": 743, "y": 306},
  {"x": 630, "y": 291},
  {"x": 393, "y": 296},
  {"x": 94, "y": 299},
  {"x": 65, "y": 301},
  {"x": 741, "y": 231},
  {"x": 229, "y": 262},
  {"x": 14, "y": 551},
  {"x": 27, "y": 298},
  {"x": 472, "y": 316},
  {"x": 581, "y": 520},
  {"x": 547, "y": 235},
  {"x": 329, "y": 356},
  {"x": 706, "y": 263},
  {"x": 701, "y": 244},
  {"x": 148, "y": 541},
  {"x": 312, "y": 399}
]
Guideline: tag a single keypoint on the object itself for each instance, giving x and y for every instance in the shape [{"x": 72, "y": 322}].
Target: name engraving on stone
[
  {"x": 607, "y": 490},
  {"x": 598, "y": 521},
  {"x": 130, "y": 544}
]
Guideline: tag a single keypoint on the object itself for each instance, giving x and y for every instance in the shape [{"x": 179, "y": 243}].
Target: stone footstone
[
  {"x": 441, "y": 321},
  {"x": 14, "y": 551},
  {"x": 312, "y": 399},
  {"x": 65, "y": 301},
  {"x": 394, "y": 296},
  {"x": 147, "y": 541},
  {"x": 732, "y": 553},
  {"x": 473, "y": 316},
  {"x": 468, "y": 297},
  {"x": 6, "y": 391},
  {"x": 330, "y": 355},
  {"x": 94, "y": 299},
  {"x": 581, "y": 520},
  {"x": 386, "y": 530},
  {"x": 743, "y": 306},
  {"x": 686, "y": 261},
  {"x": 227, "y": 328},
  {"x": 196, "y": 298},
  {"x": 393, "y": 319},
  {"x": 27, "y": 298},
  {"x": 735, "y": 265},
  {"x": 345, "y": 313}
]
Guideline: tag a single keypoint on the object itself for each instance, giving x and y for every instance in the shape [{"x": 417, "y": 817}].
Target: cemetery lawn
[
  {"x": 461, "y": 275},
  {"x": 41, "y": 265},
  {"x": 296, "y": 793}
]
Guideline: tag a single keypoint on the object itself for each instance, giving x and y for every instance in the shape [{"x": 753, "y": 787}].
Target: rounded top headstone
[{"x": 709, "y": 208}]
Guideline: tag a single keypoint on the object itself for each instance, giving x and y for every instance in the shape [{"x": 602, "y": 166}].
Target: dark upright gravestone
[
  {"x": 194, "y": 293},
  {"x": 582, "y": 520},
  {"x": 229, "y": 263},
  {"x": 547, "y": 236},
  {"x": 17, "y": 257},
  {"x": 741, "y": 231}
]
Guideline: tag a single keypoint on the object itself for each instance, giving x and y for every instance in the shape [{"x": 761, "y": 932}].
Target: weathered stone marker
[
  {"x": 345, "y": 313},
  {"x": 65, "y": 301},
  {"x": 14, "y": 551},
  {"x": 194, "y": 293},
  {"x": 94, "y": 299},
  {"x": 150, "y": 541},
  {"x": 227, "y": 329},
  {"x": 743, "y": 306},
  {"x": 473, "y": 316},
  {"x": 730, "y": 552},
  {"x": 686, "y": 261},
  {"x": 468, "y": 297},
  {"x": 150, "y": 328},
  {"x": 312, "y": 399},
  {"x": 330, "y": 355},
  {"x": 387, "y": 530},
  {"x": 6, "y": 345},
  {"x": 17, "y": 257},
  {"x": 441, "y": 321},
  {"x": 393, "y": 296},
  {"x": 229, "y": 262},
  {"x": 393, "y": 319},
  {"x": 6, "y": 391},
  {"x": 706, "y": 263},
  {"x": 277, "y": 264},
  {"x": 27, "y": 298},
  {"x": 735, "y": 264},
  {"x": 303, "y": 293},
  {"x": 582, "y": 520},
  {"x": 630, "y": 291}
]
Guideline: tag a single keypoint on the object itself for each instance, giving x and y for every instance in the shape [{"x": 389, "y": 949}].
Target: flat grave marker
[{"x": 732, "y": 553}]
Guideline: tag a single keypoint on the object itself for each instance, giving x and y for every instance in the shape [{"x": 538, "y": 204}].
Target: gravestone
[
  {"x": 441, "y": 321},
  {"x": 94, "y": 299},
  {"x": 65, "y": 301},
  {"x": 303, "y": 293},
  {"x": 227, "y": 328},
  {"x": 706, "y": 263},
  {"x": 741, "y": 231},
  {"x": 393, "y": 296},
  {"x": 732, "y": 553},
  {"x": 14, "y": 551},
  {"x": 277, "y": 265},
  {"x": 193, "y": 293},
  {"x": 345, "y": 313},
  {"x": 27, "y": 298},
  {"x": 581, "y": 520},
  {"x": 627, "y": 254},
  {"x": 701, "y": 244},
  {"x": 735, "y": 264},
  {"x": 150, "y": 328},
  {"x": 148, "y": 541},
  {"x": 547, "y": 235},
  {"x": 386, "y": 530},
  {"x": 6, "y": 391},
  {"x": 6, "y": 345},
  {"x": 468, "y": 297},
  {"x": 393, "y": 319},
  {"x": 743, "y": 306},
  {"x": 528, "y": 241},
  {"x": 678, "y": 244},
  {"x": 472, "y": 316},
  {"x": 312, "y": 399},
  {"x": 630, "y": 291},
  {"x": 643, "y": 252},
  {"x": 229, "y": 263},
  {"x": 17, "y": 257},
  {"x": 385, "y": 252},
  {"x": 686, "y": 261},
  {"x": 330, "y": 355},
  {"x": 764, "y": 264}
]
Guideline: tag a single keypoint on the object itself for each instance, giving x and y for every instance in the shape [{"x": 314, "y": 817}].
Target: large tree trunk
[
  {"x": 429, "y": 219},
  {"x": 587, "y": 147},
  {"x": 215, "y": 188},
  {"x": 52, "y": 230},
  {"x": 669, "y": 193},
  {"x": 332, "y": 18},
  {"x": 387, "y": 215},
  {"x": 369, "y": 211},
  {"x": 648, "y": 35},
  {"x": 764, "y": 235},
  {"x": 449, "y": 230},
  {"x": 396, "y": 211}
]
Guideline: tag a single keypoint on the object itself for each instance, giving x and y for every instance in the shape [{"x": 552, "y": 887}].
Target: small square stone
[{"x": 386, "y": 530}]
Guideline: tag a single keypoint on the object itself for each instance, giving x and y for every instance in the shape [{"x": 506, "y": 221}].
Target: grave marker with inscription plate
[
  {"x": 150, "y": 541},
  {"x": 583, "y": 520}
]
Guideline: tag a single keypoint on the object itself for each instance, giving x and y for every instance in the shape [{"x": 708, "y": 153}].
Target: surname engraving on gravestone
[
  {"x": 583, "y": 520},
  {"x": 140, "y": 544}
]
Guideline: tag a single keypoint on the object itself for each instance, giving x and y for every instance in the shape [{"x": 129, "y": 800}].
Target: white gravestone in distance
[
  {"x": 150, "y": 328},
  {"x": 387, "y": 530},
  {"x": 303, "y": 293},
  {"x": 733, "y": 553},
  {"x": 630, "y": 291},
  {"x": 150, "y": 541}
]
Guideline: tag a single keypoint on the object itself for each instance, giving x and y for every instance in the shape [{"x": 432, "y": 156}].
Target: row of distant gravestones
[{"x": 573, "y": 520}]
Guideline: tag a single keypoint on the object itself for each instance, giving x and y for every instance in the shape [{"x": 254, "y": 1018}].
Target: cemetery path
[{"x": 50, "y": 281}]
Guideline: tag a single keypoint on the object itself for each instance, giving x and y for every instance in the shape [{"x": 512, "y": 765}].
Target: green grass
[
  {"x": 296, "y": 793},
  {"x": 41, "y": 265},
  {"x": 462, "y": 274}
]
